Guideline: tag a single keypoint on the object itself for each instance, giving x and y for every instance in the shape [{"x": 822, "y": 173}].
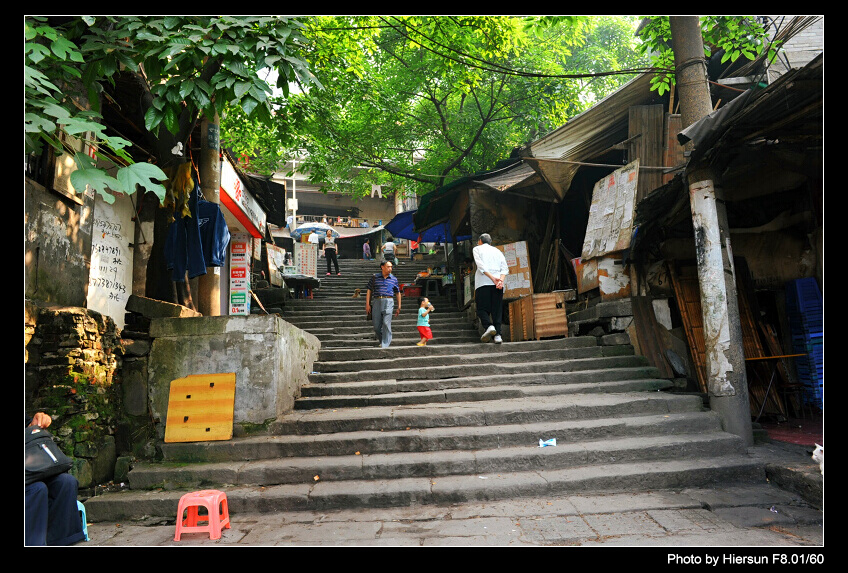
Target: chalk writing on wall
[{"x": 110, "y": 274}]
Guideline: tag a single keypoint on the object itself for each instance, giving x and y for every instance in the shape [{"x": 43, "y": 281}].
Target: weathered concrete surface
[
  {"x": 152, "y": 308},
  {"x": 270, "y": 357},
  {"x": 763, "y": 516}
]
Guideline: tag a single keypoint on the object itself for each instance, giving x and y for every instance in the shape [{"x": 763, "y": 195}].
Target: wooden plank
[
  {"x": 646, "y": 141},
  {"x": 761, "y": 387},
  {"x": 200, "y": 408},
  {"x": 762, "y": 399},
  {"x": 687, "y": 293},
  {"x": 651, "y": 343},
  {"x": 549, "y": 315}
]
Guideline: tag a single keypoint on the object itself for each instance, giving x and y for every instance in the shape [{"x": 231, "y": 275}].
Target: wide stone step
[
  {"x": 486, "y": 413},
  {"x": 404, "y": 340},
  {"x": 263, "y": 447},
  {"x": 341, "y": 355},
  {"x": 471, "y": 355},
  {"x": 329, "y": 314},
  {"x": 381, "y": 466},
  {"x": 328, "y": 494},
  {"x": 454, "y": 386},
  {"x": 464, "y": 394},
  {"x": 498, "y": 367},
  {"x": 405, "y": 320}
]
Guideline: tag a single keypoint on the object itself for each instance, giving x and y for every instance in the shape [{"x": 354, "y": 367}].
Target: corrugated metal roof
[{"x": 586, "y": 135}]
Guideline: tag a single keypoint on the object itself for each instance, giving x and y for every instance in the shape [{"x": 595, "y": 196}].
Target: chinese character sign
[{"x": 240, "y": 274}]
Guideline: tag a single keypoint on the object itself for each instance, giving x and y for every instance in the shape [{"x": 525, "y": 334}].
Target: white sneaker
[
  {"x": 498, "y": 339},
  {"x": 487, "y": 336}
]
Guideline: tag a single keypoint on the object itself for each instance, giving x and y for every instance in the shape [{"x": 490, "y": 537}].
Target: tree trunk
[{"x": 726, "y": 378}]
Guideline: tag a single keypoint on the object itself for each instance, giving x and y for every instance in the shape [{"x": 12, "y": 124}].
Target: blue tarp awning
[{"x": 401, "y": 226}]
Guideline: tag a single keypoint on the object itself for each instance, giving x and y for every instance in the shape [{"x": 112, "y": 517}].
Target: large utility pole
[{"x": 726, "y": 378}]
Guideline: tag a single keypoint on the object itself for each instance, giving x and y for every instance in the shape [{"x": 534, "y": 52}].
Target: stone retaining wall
[{"x": 73, "y": 358}]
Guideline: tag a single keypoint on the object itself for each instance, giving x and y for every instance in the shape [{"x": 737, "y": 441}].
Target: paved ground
[{"x": 749, "y": 516}]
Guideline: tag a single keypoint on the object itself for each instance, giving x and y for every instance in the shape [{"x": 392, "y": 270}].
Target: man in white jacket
[{"x": 489, "y": 287}]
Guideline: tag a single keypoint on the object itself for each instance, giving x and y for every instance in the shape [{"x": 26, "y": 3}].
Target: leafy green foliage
[
  {"x": 415, "y": 102},
  {"x": 736, "y": 35},
  {"x": 191, "y": 65},
  {"x": 52, "y": 68}
]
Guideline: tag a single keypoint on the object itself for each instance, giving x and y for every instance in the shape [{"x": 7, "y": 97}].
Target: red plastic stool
[{"x": 218, "y": 516}]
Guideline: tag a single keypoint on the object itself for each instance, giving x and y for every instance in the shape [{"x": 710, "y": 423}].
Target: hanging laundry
[{"x": 197, "y": 241}]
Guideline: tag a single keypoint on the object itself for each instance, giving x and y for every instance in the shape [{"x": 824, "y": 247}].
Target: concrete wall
[
  {"x": 270, "y": 357},
  {"x": 57, "y": 246}
]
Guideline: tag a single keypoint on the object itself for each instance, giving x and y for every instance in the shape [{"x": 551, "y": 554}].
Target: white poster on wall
[
  {"x": 110, "y": 276},
  {"x": 306, "y": 259},
  {"x": 610, "y": 224}
]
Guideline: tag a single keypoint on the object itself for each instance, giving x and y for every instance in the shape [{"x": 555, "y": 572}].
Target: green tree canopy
[
  {"x": 189, "y": 65},
  {"x": 415, "y": 102}
]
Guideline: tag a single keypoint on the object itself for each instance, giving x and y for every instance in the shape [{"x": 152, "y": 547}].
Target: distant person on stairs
[
  {"x": 489, "y": 288},
  {"x": 366, "y": 250},
  {"x": 330, "y": 252},
  {"x": 389, "y": 251},
  {"x": 383, "y": 287}
]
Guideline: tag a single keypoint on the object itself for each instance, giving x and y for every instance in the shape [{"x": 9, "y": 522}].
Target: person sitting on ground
[{"x": 51, "y": 516}]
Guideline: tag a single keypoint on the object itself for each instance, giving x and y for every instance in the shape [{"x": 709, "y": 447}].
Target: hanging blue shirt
[{"x": 196, "y": 241}]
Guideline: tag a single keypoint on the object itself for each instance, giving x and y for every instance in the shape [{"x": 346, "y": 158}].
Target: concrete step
[
  {"x": 576, "y": 431},
  {"x": 383, "y": 466},
  {"x": 404, "y": 339},
  {"x": 365, "y": 325},
  {"x": 473, "y": 354},
  {"x": 524, "y": 410},
  {"x": 341, "y": 355},
  {"x": 498, "y": 368},
  {"x": 382, "y": 395},
  {"x": 321, "y": 494},
  {"x": 455, "y": 386}
]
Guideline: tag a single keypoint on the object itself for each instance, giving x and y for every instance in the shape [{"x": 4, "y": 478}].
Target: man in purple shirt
[{"x": 380, "y": 296}]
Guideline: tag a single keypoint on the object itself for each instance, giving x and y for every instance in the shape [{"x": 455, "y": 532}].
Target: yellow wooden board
[{"x": 200, "y": 408}]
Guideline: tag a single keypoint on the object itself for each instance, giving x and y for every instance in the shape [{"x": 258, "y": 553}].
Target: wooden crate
[{"x": 538, "y": 316}]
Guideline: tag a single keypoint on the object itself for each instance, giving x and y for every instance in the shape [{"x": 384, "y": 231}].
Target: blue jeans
[
  {"x": 51, "y": 516},
  {"x": 382, "y": 310}
]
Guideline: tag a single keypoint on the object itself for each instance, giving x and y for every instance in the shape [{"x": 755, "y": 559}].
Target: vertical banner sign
[
  {"x": 306, "y": 259},
  {"x": 110, "y": 277},
  {"x": 239, "y": 274}
]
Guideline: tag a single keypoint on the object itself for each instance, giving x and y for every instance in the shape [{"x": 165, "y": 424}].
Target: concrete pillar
[
  {"x": 726, "y": 378},
  {"x": 209, "y": 167}
]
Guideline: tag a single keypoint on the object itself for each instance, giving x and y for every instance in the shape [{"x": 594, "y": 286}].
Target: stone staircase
[{"x": 455, "y": 421}]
